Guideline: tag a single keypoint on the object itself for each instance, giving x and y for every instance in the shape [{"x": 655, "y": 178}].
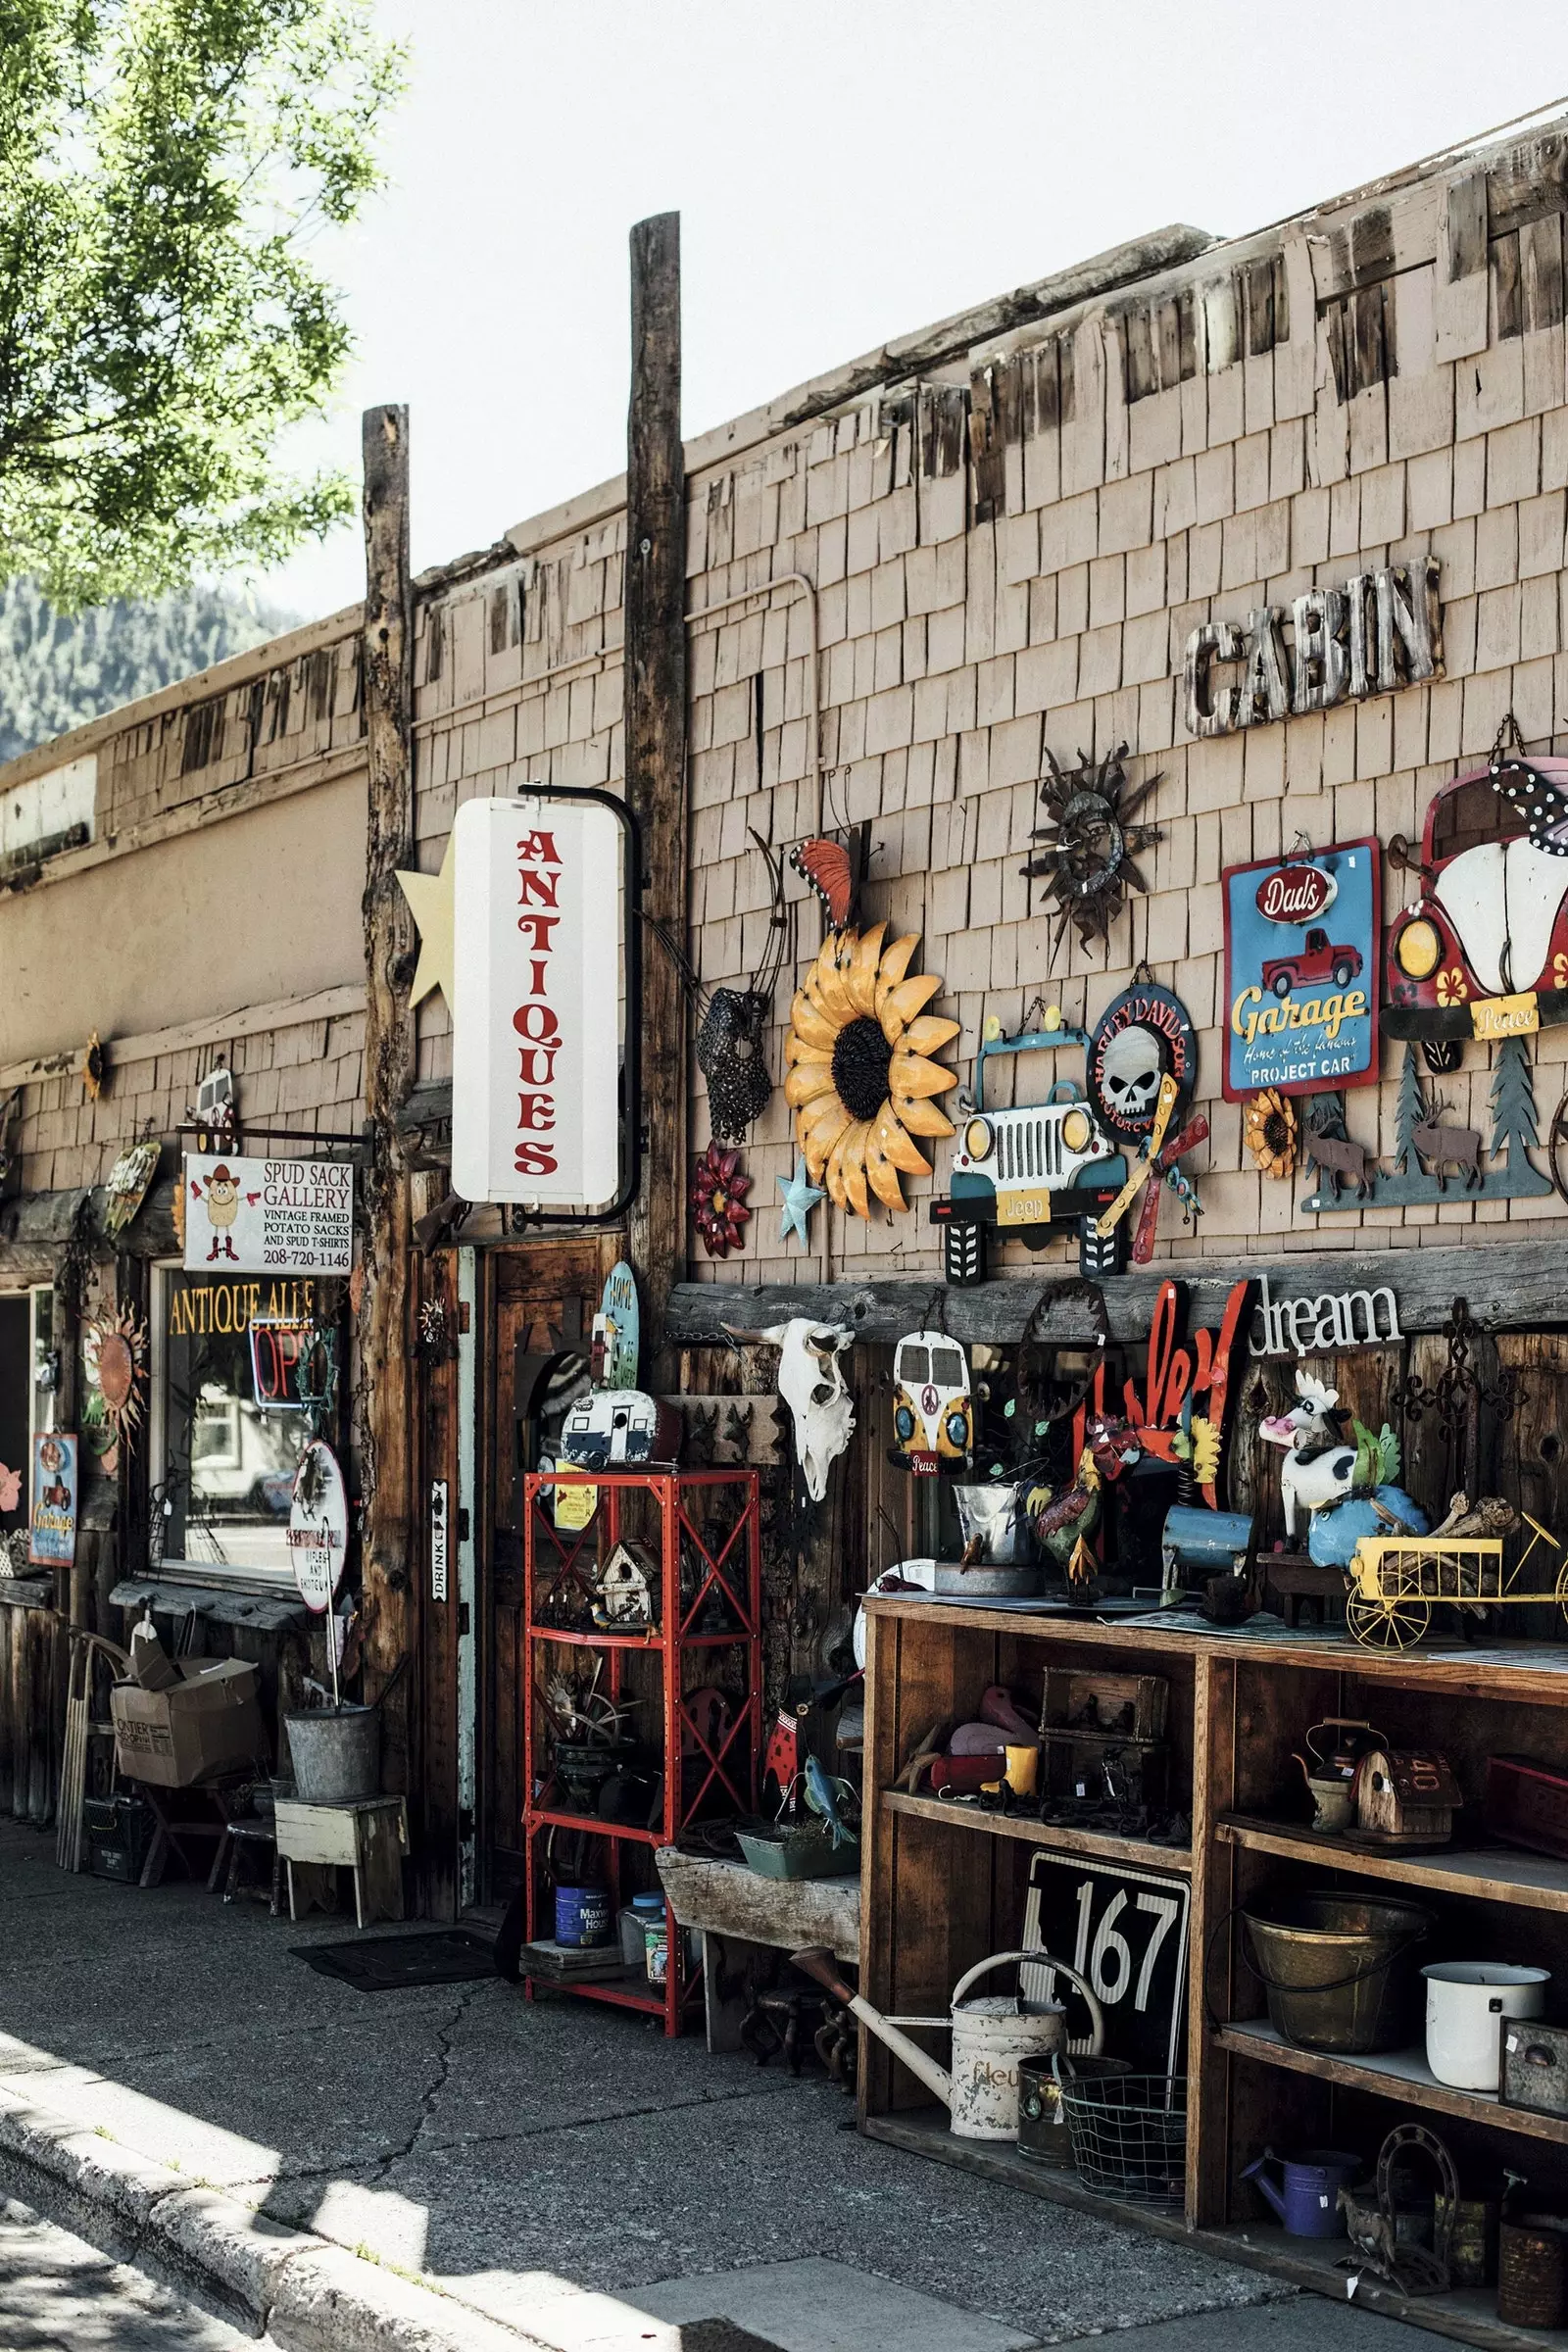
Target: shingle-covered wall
[{"x": 1371, "y": 385}]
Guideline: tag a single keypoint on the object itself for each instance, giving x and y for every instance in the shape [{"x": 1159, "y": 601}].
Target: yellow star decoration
[
  {"x": 430, "y": 898},
  {"x": 860, "y": 1081}
]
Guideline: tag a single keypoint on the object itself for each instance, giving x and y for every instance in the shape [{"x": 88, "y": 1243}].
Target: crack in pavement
[{"x": 446, "y": 2035}]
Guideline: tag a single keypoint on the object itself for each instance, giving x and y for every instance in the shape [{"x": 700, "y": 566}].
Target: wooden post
[
  {"x": 389, "y": 1070},
  {"x": 654, "y": 601}
]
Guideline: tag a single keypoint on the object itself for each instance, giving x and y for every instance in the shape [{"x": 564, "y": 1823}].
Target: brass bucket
[{"x": 1337, "y": 1969}]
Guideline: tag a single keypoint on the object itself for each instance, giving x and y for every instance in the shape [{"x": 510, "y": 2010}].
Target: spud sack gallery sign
[
  {"x": 535, "y": 1014},
  {"x": 267, "y": 1216}
]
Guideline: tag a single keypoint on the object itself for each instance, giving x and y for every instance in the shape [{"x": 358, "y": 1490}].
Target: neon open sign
[{"x": 293, "y": 1364}]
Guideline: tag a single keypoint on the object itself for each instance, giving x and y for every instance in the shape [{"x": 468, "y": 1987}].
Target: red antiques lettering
[{"x": 536, "y": 1021}]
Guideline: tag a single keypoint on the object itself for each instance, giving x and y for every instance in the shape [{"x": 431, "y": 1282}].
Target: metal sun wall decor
[
  {"x": 1085, "y": 858},
  {"x": 1301, "y": 939},
  {"x": 860, "y": 1079}
]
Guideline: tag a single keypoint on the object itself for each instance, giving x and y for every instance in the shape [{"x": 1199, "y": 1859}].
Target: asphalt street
[{"x": 58, "y": 2294}]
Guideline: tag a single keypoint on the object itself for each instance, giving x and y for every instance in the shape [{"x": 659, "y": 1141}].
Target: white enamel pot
[{"x": 1465, "y": 2001}]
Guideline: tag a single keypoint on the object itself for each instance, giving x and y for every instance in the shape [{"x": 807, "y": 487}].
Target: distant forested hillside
[{"x": 58, "y": 670}]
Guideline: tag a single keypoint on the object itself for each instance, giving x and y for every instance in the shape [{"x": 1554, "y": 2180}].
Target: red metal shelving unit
[{"x": 700, "y": 1778}]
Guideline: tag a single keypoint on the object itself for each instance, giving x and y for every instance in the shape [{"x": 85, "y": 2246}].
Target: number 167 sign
[{"x": 1126, "y": 1931}]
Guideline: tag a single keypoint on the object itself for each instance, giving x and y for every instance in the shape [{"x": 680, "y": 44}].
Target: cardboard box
[{"x": 207, "y": 1723}]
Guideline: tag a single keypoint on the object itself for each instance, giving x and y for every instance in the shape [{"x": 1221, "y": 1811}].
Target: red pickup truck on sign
[{"x": 1314, "y": 959}]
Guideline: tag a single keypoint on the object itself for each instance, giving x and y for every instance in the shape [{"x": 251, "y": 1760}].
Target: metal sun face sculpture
[
  {"x": 860, "y": 1079},
  {"x": 1086, "y": 855}
]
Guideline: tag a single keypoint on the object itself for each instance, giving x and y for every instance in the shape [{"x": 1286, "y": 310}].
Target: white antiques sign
[
  {"x": 1381, "y": 631},
  {"x": 317, "y": 1526},
  {"x": 1341, "y": 1319},
  {"x": 535, "y": 1014},
  {"x": 269, "y": 1216}
]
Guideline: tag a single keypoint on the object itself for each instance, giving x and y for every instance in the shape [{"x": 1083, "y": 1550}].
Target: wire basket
[{"x": 1129, "y": 2136}]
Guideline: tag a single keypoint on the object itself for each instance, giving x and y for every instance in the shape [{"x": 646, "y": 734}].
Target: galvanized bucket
[
  {"x": 336, "y": 1752},
  {"x": 1337, "y": 1969}
]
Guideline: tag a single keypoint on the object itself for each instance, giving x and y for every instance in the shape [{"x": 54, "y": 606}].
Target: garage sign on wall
[{"x": 1302, "y": 958}]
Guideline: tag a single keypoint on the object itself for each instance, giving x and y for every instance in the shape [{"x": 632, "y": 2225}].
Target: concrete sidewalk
[{"x": 511, "y": 2156}]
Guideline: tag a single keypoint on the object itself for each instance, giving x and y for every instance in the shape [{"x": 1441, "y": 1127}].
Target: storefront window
[
  {"x": 224, "y": 1455},
  {"x": 26, "y": 1381}
]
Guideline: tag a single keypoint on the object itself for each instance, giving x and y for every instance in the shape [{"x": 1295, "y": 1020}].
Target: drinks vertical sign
[{"x": 535, "y": 1017}]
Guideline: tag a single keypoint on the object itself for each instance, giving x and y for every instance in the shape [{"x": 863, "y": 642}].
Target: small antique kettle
[{"x": 1333, "y": 1751}]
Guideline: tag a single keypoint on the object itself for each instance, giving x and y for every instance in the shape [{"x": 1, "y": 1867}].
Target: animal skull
[
  {"x": 1131, "y": 1073},
  {"x": 811, "y": 1382}
]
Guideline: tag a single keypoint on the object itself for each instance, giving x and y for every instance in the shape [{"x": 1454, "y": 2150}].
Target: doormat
[{"x": 387, "y": 1963}]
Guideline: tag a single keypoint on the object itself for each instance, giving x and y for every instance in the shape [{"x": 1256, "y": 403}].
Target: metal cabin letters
[{"x": 1380, "y": 631}]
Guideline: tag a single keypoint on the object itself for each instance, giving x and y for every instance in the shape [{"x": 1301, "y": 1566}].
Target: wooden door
[
  {"x": 538, "y": 1307},
  {"x": 436, "y": 1823}
]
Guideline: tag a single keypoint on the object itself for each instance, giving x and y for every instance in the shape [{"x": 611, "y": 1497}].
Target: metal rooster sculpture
[{"x": 1066, "y": 1523}]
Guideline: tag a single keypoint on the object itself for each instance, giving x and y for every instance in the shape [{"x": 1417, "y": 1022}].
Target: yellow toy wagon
[{"x": 1393, "y": 1581}]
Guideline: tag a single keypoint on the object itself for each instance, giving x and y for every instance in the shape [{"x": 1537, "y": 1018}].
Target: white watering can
[{"x": 991, "y": 2038}]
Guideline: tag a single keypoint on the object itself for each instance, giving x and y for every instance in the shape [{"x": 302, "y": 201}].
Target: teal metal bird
[{"x": 826, "y": 1799}]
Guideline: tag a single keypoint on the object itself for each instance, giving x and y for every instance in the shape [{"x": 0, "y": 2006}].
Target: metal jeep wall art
[{"x": 1380, "y": 631}]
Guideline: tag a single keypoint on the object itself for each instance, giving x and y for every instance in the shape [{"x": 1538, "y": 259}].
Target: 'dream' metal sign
[{"x": 535, "y": 1014}]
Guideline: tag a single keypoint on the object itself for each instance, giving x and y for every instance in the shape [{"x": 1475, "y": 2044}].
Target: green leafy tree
[{"x": 164, "y": 168}]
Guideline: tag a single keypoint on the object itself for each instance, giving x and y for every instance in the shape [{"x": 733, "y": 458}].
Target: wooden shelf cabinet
[{"x": 942, "y": 1886}]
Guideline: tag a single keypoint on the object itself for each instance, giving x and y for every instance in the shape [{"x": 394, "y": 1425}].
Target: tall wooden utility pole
[
  {"x": 389, "y": 1070},
  {"x": 656, "y": 757}
]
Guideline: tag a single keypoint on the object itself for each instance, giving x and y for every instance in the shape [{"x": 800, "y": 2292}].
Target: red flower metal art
[{"x": 718, "y": 1198}]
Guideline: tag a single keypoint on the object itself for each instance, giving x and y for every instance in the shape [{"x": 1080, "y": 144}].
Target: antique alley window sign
[
  {"x": 267, "y": 1216},
  {"x": 1379, "y": 631},
  {"x": 1302, "y": 970},
  {"x": 535, "y": 1017},
  {"x": 1326, "y": 1324}
]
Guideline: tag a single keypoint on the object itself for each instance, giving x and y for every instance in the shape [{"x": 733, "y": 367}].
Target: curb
[{"x": 302, "y": 2292}]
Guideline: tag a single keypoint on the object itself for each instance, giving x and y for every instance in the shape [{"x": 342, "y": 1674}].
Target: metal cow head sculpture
[{"x": 811, "y": 1382}]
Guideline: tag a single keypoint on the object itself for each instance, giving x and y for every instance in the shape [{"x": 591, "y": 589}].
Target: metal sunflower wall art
[
  {"x": 1268, "y": 1125},
  {"x": 115, "y": 1357},
  {"x": 1085, "y": 858},
  {"x": 859, "y": 1078}
]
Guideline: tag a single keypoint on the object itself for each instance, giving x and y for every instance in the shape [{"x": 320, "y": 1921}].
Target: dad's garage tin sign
[{"x": 1302, "y": 958}]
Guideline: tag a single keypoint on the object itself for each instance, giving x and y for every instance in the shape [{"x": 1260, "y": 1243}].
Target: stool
[
  {"x": 369, "y": 1838},
  {"x": 240, "y": 1837}
]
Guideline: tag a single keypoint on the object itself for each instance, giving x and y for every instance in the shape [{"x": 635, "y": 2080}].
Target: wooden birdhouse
[
  {"x": 627, "y": 1595},
  {"x": 1404, "y": 1797}
]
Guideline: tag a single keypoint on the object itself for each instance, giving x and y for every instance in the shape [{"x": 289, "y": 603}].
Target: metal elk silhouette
[{"x": 1441, "y": 1147}]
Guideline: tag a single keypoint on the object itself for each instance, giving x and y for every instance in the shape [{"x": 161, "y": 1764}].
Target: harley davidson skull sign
[{"x": 1142, "y": 1035}]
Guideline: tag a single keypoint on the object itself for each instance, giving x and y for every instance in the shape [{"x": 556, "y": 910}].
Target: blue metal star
[{"x": 801, "y": 1197}]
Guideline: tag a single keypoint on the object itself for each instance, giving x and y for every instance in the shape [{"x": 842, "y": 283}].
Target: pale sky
[{"x": 845, "y": 171}]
